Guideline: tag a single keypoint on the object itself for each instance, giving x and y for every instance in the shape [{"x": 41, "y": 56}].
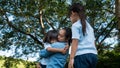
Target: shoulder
[
  {"x": 47, "y": 45},
  {"x": 77, "y": 24},
  {"x": 57, "y": 43}
]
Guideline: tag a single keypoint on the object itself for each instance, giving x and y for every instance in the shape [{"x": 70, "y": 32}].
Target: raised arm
[
  {"x": 61, "y": 50},
  {"x": 52, "y": 50},
  {"x": 44, "y": 53}
]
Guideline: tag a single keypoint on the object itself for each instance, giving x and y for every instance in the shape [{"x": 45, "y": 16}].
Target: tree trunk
[{"x": 117, "y": 11}]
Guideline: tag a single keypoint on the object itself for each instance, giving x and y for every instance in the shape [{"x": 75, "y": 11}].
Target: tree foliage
[
  {"x": 24, "y": 22},
  {"x": 30, "y": 21},
  {"x": 9, "y": 62}
]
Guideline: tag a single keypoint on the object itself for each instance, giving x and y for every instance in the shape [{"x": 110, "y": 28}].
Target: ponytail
[
  {"x": 78, "y": 8},
  {"x": 83, "y": 22}
]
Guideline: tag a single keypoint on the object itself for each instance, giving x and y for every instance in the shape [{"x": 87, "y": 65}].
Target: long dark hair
[
  {"x": 50, "y": 35},
  {"x": 68, "y": 34},
  {"x": 78, "y": 8}
]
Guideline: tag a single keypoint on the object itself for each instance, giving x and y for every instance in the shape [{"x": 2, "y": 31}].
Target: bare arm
[
  {"x": 63, "y": 51},
  {"x": 73, "y": 48},
  {"x": 73, "y": 52}
]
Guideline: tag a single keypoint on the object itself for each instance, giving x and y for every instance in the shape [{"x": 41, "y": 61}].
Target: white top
[
  {"x": 44, "y": 61},
  {"x": 69, "y": 49},
  {"x": 86, "y": 44}
]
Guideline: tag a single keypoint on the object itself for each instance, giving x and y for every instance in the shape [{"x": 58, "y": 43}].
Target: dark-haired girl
[
  {"x": 58, "y": 60},
  {"x": 50, "y": 38},
  {"x": 83, "y": 51}
]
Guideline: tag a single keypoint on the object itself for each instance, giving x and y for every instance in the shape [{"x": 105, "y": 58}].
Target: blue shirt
[
  {"x": 86, "y": 44},
  {"x": 44, "y": 61},
  {"x": 56, "y": 60}
]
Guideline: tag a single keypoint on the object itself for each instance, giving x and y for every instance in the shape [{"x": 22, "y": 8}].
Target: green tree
[
  {"x": 31, "y": 20},
  {"x": 24, "y": 22}
]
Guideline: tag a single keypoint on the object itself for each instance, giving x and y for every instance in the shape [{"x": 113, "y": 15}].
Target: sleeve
[
  {"x": 75, "y": 32},
  {"x": 56, "y": 45},
  {"x": 44, "y": 53},
  {"x": 46, "y": 45}
]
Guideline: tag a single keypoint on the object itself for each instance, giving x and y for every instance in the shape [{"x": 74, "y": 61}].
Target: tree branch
[
  {"x": 39, "y": 42},
  {"x": 107, "y": 34},
  {"x": 41, "y": 22},
  {"x": 50, "y": 23},
  {"x": 104, "y": 29},
  {"x": 63, "y": 21}
]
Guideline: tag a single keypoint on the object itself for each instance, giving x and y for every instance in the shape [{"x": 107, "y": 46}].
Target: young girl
[
  {"x": 58, "y": 60},
  {"x": 83, "y": 50},
  {"x": 49, "y": 38}
]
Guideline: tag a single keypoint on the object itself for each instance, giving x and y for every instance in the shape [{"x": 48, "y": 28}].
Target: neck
[{"x": 76, "y": 20}]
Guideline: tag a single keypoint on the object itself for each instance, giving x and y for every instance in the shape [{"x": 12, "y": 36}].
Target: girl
[
  {"x": 83, "y": 50},
  {"x": 49, "y": 38},
  {"x": 58, "y": 60}
]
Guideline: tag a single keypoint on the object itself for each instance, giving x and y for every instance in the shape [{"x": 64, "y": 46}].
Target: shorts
[{"x": 88, "y": 60}]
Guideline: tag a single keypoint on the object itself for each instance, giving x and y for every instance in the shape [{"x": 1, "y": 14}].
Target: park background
[{"x": 23, "y": 23}]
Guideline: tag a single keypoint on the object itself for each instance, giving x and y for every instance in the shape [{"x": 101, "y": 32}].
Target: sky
[
  {"x": 11, "y": 52},
  {"x": 34, "y": 58},
  {"x": 31, "y": 58}
]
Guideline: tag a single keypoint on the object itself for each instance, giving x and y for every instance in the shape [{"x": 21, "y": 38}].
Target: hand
[
  {"x": 38, "y": 65},
  {"x": 65, "y": 49},
  {"x": 70, "y": 64}
]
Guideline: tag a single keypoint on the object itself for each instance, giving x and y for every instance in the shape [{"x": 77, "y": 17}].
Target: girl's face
[
  {"x": 61, "y": 35},
  {"x": 74, "y": 17}
]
